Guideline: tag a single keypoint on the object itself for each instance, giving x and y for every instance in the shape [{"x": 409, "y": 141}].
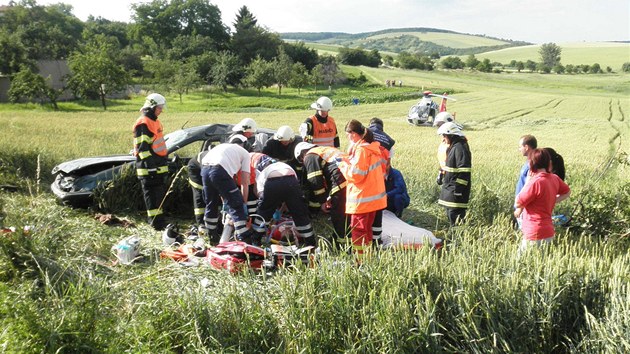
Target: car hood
[{"x": 87, "y": 162}]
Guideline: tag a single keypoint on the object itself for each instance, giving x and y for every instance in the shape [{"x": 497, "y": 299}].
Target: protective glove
[
  {"x": 277, "y": 215},
  {"x": 224, "y": 207},
  {"x": 439, "y": 178},
  {"x": 245, "y": 209}
]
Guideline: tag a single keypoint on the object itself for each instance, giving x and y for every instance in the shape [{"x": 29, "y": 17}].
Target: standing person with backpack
[
  {"x": 151, "y": 158},
  {"x": 456, "y": 183},
  {"x": 320, "y": 129}
]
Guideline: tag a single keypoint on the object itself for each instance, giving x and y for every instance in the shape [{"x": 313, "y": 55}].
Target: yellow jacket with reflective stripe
[
  {"x": 149, "y": 147},
  {"x": 366, "y": 181}
]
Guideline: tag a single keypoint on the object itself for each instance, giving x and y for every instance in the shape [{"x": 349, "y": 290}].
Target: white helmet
[
  {"x": 153, "y": 100},
  {"x": 284, "y": 133},
  {"x": 442, "y": 117},
  {"x": 450, "y": 128},
  {"x": 247, "y": 125},
  {"x": 323, "y": 104},
  {"x": 237, "y": 139},
  {"x": 301, "y": 146}
]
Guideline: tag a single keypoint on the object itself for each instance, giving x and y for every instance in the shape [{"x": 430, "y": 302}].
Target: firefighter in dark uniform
[
  {"x": 277, "y": 185},
  {"x": 326, "y": 186},
  {"x": 151, "y": 158},
  {"x": 196, "y": 185},
  {"x": 320, "y": 129},
  {"x": 282, "y": 146},
  {"x": 456, "y": 183}
]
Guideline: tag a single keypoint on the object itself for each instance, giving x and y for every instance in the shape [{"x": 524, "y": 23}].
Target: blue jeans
[{"x": 218, "y": 184}]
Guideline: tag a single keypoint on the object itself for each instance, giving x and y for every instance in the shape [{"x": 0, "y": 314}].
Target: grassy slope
[
  {"x": 605, "y": 54},
  {"x": 452, "y": 40}
]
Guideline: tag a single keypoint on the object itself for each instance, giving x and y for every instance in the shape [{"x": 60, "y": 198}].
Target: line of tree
[
  {"x": 170, "y": 45},
  {"x": 550, "y": 56}
]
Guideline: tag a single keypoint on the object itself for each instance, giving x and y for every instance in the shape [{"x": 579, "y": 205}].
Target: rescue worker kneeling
[
  {"x": 219, "y": 167},
  {"x": 277, "y": 183}
]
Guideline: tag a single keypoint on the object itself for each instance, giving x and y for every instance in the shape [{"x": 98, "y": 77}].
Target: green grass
[
  {"x": 59, "y": 291},
  {"x": 605, "y": 54},
  {"x": 452, "y": 40}
]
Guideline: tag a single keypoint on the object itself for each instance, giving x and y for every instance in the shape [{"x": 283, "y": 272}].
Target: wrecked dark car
[{"x": 76, "y": 180}]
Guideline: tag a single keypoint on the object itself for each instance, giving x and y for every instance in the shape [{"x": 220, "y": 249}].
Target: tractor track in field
[
  {"x": 619, "y": 125},
  {"x": 516, "y": 114}
]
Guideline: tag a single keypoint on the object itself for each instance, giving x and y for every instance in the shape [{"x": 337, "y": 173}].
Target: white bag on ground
[{"x": 397, "y": 233}]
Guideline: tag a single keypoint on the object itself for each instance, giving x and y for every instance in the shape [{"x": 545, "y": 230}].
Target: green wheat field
[{"x": 60, "y": 292}]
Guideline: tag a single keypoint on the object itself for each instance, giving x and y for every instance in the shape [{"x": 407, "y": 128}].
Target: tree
[
  {"x": 550, "y": 54},
  {"x": 299, "y": 53},
  {"x": 625, "y": 67},
  {"x": 13, "y": 53},
  {"x": 484, "y": 66},
  {"x": 162, "y": 22},
  {"x": 259, "y": 74},
  {"x": 46, "y": 32},
  {"x": 95, "y": 72},
  {"x": 472, "y": 61},
  {"x": 558, "y": 69},
  {"x": 595, "y": 69},
  {"x": 225, "y": 71},
  {"x": 358, "y": 56},
  {"x": 530, "y": 65},
  {"x": 452, "y": 63},
  {"x": 27, "y": 85},
  {"x": 185, "y": 78},
  {"x": 520, "y": 66},
  {"x": 569, "y": 69},
  {"x": 250, "y": 40},
  {"x": 317, "y": 76},
  {"x": 282, "y": 69},
  {"x": 543, "y": 68},
  {"x": 330, "y": 71},
  {"x": 299, "y": 76}
]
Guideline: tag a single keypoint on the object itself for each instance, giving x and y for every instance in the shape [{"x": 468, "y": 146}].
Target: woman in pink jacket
[{"x": 537, "y": 198}]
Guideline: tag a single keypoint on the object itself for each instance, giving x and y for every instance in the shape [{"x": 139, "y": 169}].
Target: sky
[{"x": 536, "y": 21}]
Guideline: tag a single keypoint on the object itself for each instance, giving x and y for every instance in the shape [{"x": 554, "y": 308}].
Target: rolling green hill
[
  {"x": 603, "y": 53},
  {"x": 425, "y": 40}
]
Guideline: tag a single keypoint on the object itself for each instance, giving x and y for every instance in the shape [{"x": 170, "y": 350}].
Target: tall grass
[{"x": 60, "y": 292}]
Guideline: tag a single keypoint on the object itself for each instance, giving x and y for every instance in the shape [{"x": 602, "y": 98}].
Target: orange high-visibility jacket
[
  {"x": 366, "y": 182},
  {"x": 324, "y": 134},
  {"x": 149, "y": 147}
]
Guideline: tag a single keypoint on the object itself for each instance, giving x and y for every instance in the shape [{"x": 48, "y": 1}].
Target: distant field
[
  {"x": 605, "y": 54},
  {"x": 452, "y": 40}
]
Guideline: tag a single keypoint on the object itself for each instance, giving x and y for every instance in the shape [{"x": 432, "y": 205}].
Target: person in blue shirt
[
  {"x": 397, "y": 196},
  {"x": 526, "y": 144}
]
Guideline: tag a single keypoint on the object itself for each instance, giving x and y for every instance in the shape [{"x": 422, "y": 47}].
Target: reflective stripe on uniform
[
  {"x": 367, "y": 199},
  {"x": 154, "y": 212},
  {"x": 194, "y": 184},
  {"x": 452, "y": 204},
  {"x": 142, "y": 139},
  {"x": 461, "y": 181},
  {"x": 200, "y": 211},
  {"x": 455, "y": 169}
]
